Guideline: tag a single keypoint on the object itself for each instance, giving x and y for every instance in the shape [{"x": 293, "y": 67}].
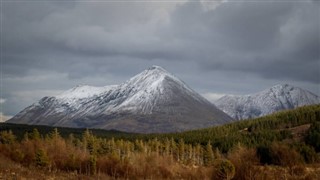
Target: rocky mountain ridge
[{"x": 276, "y": 98}]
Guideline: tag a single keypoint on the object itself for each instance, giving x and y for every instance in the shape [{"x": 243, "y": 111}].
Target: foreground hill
[
  {"x": 279, "y": 97},
  {"x": 152, "y": 101},
  {"x": 283, "y": 145}
]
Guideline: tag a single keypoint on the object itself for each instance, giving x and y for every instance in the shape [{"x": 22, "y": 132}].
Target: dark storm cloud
[
  {"x": 270, "y": 39},
  {"x": 214, "y": 47},
  {"x": 84, "y": 34}
]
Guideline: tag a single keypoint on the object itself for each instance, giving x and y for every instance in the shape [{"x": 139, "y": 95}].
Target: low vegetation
[{"x": 284, "y": 145}]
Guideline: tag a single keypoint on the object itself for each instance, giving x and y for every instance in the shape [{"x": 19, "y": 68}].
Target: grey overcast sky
[{"x": 216, "y": 47}]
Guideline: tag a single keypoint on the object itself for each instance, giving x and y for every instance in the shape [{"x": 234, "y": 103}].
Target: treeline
[
  {"x": 20, "y": 129},
  {"x": 251, "y": 133},
  {"x": 91, "y": 155}
]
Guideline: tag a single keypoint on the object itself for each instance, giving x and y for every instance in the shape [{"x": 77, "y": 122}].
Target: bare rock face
[
  {"x": 153, "y": 101},
  {"x": 276, "y": 98}
]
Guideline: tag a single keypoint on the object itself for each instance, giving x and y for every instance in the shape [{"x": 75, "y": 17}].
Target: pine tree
[
  {"x": 93, "y": 164},
  {"x": 7, "y": 137},
  {"x": 41, "y": 158},
  {"x": 208, "y": 156},
  {"x": 167, "y": 147},
  {"x": 181, "y": 150},
  {"x": 35, "y": 135},
  {"x": 89, "y": 142},
  {"x": 55, "y": 134},
  {"x": 198, "y": 154}
]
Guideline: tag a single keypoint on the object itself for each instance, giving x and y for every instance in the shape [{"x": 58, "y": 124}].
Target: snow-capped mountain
[
  {"x": 279, "y": 97},
  {"x": 152, "y": 101}
]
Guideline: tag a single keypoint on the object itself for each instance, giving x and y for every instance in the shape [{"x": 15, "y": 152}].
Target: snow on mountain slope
[
  {"x": 83, "y": 91},
  {"x": 152, "y": 101},
  {"x": 80, "y": 92},
  {"x": 276, "y": 98},
  {"x": 144, "y": 90}
]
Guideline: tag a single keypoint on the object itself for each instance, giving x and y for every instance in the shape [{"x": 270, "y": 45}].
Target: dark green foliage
[
  {"x": 313, "y": 136},
  {"x": 90, "y": 141},
  {"x": 20, "y": 129},
  {"x": 308, "y": 153},
  {"x": 264, "y": 154},
  {"x": 41, "y": 158},
  {"x": 35, "y": 134},
  {"x": 278, "y": 154}
]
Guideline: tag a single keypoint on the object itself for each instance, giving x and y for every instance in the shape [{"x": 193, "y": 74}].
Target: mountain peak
[
  {"x": 156, "y": 71},
  {"x": 276, "y": 98},
  {"x": 151, "y": 76},
  {"x": 155, "y": 67},
  {"x": 282, "y": 86}
]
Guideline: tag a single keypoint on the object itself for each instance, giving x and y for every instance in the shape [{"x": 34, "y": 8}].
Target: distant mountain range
[
  {"x": 156, "y": 101},
  {"x": 153, "y": 101},
  {"x": 279, "y": 97}
]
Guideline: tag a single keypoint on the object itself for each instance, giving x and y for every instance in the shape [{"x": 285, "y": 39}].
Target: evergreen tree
[
  {"x": 181, "y": 150},
  {"x": 41, "y": 158},
  {"x": 35, "y": 134},
  {"x": 93, "y": 164},
  {"x": 55, "y": 134},
  {"x": 208, "y": 155},
  {"x": 7, "y": 137}
]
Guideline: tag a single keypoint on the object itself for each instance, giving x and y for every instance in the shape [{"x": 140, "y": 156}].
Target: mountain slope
[
  {"x": 152, "y": 101},
  {"x": 279, "y": 97}
]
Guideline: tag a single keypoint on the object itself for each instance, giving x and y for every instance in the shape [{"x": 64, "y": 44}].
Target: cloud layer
[{"x": 215, "y": 47}]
